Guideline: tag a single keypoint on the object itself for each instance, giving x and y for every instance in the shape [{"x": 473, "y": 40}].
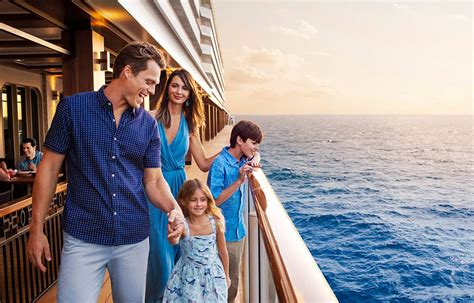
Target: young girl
[{"x": 202, "y": 272}]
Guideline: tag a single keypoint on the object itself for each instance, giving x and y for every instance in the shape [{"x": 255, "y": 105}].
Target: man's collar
[{"x": 105, "y": 102}]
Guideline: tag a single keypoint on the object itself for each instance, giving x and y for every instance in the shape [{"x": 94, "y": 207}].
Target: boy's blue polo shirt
[
  {"x": 225, "y": 171},
  {"x": 105, "y": 202}
]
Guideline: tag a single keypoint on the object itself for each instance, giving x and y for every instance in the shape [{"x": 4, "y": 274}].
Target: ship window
[
  {"x": 21, "y": 116},
  {"x": 21, "y": 108}
]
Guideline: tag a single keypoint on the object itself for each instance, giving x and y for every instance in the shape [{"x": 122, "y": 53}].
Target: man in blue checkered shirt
[{"x": 112, "y": 149}]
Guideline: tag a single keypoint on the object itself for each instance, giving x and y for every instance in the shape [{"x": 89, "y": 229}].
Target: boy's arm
[
  {"x": 223, "y": 254},
  {"x": 229, "y": 191}
]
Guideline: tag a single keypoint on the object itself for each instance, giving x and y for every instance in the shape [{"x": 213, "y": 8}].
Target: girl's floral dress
[{"x": 198, "y": 276}]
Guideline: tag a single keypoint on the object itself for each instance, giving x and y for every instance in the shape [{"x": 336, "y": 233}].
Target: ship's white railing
[{"x": 278, "y": 266}]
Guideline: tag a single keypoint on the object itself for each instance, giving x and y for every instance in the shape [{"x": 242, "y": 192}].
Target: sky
[{"x": 346, "y": 57}]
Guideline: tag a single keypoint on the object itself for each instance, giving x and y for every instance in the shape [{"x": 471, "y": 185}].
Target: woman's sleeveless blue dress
[{"x": 163, "y": 255}]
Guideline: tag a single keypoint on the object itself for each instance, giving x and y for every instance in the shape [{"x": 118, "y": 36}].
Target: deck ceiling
[
  {"x": 29, "y": 39},
  {"x": 36, "y": 34}
]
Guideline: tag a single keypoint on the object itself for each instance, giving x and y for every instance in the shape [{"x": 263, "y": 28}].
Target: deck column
[{"x": 81, "y": 72}]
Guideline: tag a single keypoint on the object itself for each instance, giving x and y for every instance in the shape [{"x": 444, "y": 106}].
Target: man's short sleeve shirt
[{"x": 105, "y": 202}]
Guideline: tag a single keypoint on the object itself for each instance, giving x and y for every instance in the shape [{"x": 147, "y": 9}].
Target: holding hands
[{"x": 175, "y": 225}]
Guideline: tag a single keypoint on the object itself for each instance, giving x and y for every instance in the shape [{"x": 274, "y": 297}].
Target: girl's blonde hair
[
  {"x": 187, "y": 191},
  {"x": 193, "y": 112}
]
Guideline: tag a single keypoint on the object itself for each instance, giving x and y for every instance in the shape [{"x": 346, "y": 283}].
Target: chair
[{"x": 6, "y": 196}]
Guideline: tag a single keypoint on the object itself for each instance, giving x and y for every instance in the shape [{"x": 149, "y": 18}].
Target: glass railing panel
[{"x": 275, "y": 246}]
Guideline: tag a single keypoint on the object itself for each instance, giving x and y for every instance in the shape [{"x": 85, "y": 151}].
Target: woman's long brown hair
[{"x": 194, "y": 113}]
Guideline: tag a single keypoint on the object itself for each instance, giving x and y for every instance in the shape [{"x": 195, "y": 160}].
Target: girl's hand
[
  {"x": 175, "y": 224},
  {"x": 172, "y": 237},
  {"x": 227, "y": 279}
]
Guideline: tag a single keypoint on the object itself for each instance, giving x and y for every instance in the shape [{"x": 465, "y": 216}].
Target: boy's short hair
[{"x": 246, "y": 130}]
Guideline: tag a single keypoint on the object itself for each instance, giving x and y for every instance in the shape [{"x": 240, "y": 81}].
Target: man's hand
[
  {"x": 32, "y": 166},
  {"x": 175, "y": 223},
  {"x": 38, "y": 247}
]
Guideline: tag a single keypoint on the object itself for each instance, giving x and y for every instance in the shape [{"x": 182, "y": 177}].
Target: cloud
[
  {"x": 320, "y": 54},
  {"x": 270, "y": 58},
  {"x": 261, "y": 65},
  {"x": 304, "y": 30},
  {"x": 274, "y": 79},
  {"x": 405, "y": 9},
  {"x": 459, "y": 17},
  {"x": 246, "y": 74}
]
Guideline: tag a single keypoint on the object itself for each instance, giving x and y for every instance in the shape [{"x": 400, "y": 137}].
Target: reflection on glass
[
  {"x": 7, "y": 146},
  {"x": 34, "y": 114},
  {"x": 21, "y": 108}
]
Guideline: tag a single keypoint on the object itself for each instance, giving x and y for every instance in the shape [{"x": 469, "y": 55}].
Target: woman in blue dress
[{"x": 180, "y": 114}]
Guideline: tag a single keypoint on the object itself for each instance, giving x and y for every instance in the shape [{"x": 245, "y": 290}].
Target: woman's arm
[
  {"x": 223, "y": 254},
  {"x": 199, "y": 154}
]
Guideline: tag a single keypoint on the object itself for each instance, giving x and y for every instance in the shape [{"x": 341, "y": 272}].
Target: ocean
[{"x": 384, "y": 203}]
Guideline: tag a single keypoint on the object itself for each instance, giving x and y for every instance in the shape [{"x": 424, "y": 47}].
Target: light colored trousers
[
  {"x": 83, "y": 265},
  {"x": 235, "y": 250}
]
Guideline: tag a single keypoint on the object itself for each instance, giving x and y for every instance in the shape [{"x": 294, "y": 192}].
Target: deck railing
[
  {"x": 279, "y": 267},
  {"x": 19, "y": 280}
]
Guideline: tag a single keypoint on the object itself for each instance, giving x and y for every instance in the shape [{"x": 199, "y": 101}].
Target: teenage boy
[{"x": 225, "y": 178}]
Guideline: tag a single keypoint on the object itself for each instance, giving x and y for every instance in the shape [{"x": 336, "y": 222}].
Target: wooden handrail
[
  {"x": 284, "y": 288},
  {"x": 23, "y": 203},
  {"x": 295, "y": 273}
]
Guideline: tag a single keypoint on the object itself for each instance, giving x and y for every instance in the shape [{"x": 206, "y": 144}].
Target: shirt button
[
  {"x": 115, "y": 138},
  {"x": 109, "y": 104},
  {"x": 113, "y": 157},
  {"x": 113, "y": 120},
  {"x": 115, "y": 213},
  {"x": 113, "y": 195},
  {"x": 113, "y": 175}
]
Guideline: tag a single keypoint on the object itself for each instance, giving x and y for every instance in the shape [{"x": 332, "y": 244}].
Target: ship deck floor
[{"x": 192, "y": 171}]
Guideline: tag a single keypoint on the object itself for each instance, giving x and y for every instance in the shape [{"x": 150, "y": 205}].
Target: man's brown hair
[{"x": 137, "y": 55}]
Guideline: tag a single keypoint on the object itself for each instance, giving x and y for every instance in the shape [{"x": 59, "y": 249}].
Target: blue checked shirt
[
  {"x": 105, "y": 202},
  {"x": 225, "y": 171}
]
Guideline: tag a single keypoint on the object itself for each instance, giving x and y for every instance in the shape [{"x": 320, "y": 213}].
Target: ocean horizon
[{"x": 383, "y": 202}]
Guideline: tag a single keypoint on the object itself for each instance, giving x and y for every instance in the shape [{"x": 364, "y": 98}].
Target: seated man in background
[{"x": 31, "y": 157}]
